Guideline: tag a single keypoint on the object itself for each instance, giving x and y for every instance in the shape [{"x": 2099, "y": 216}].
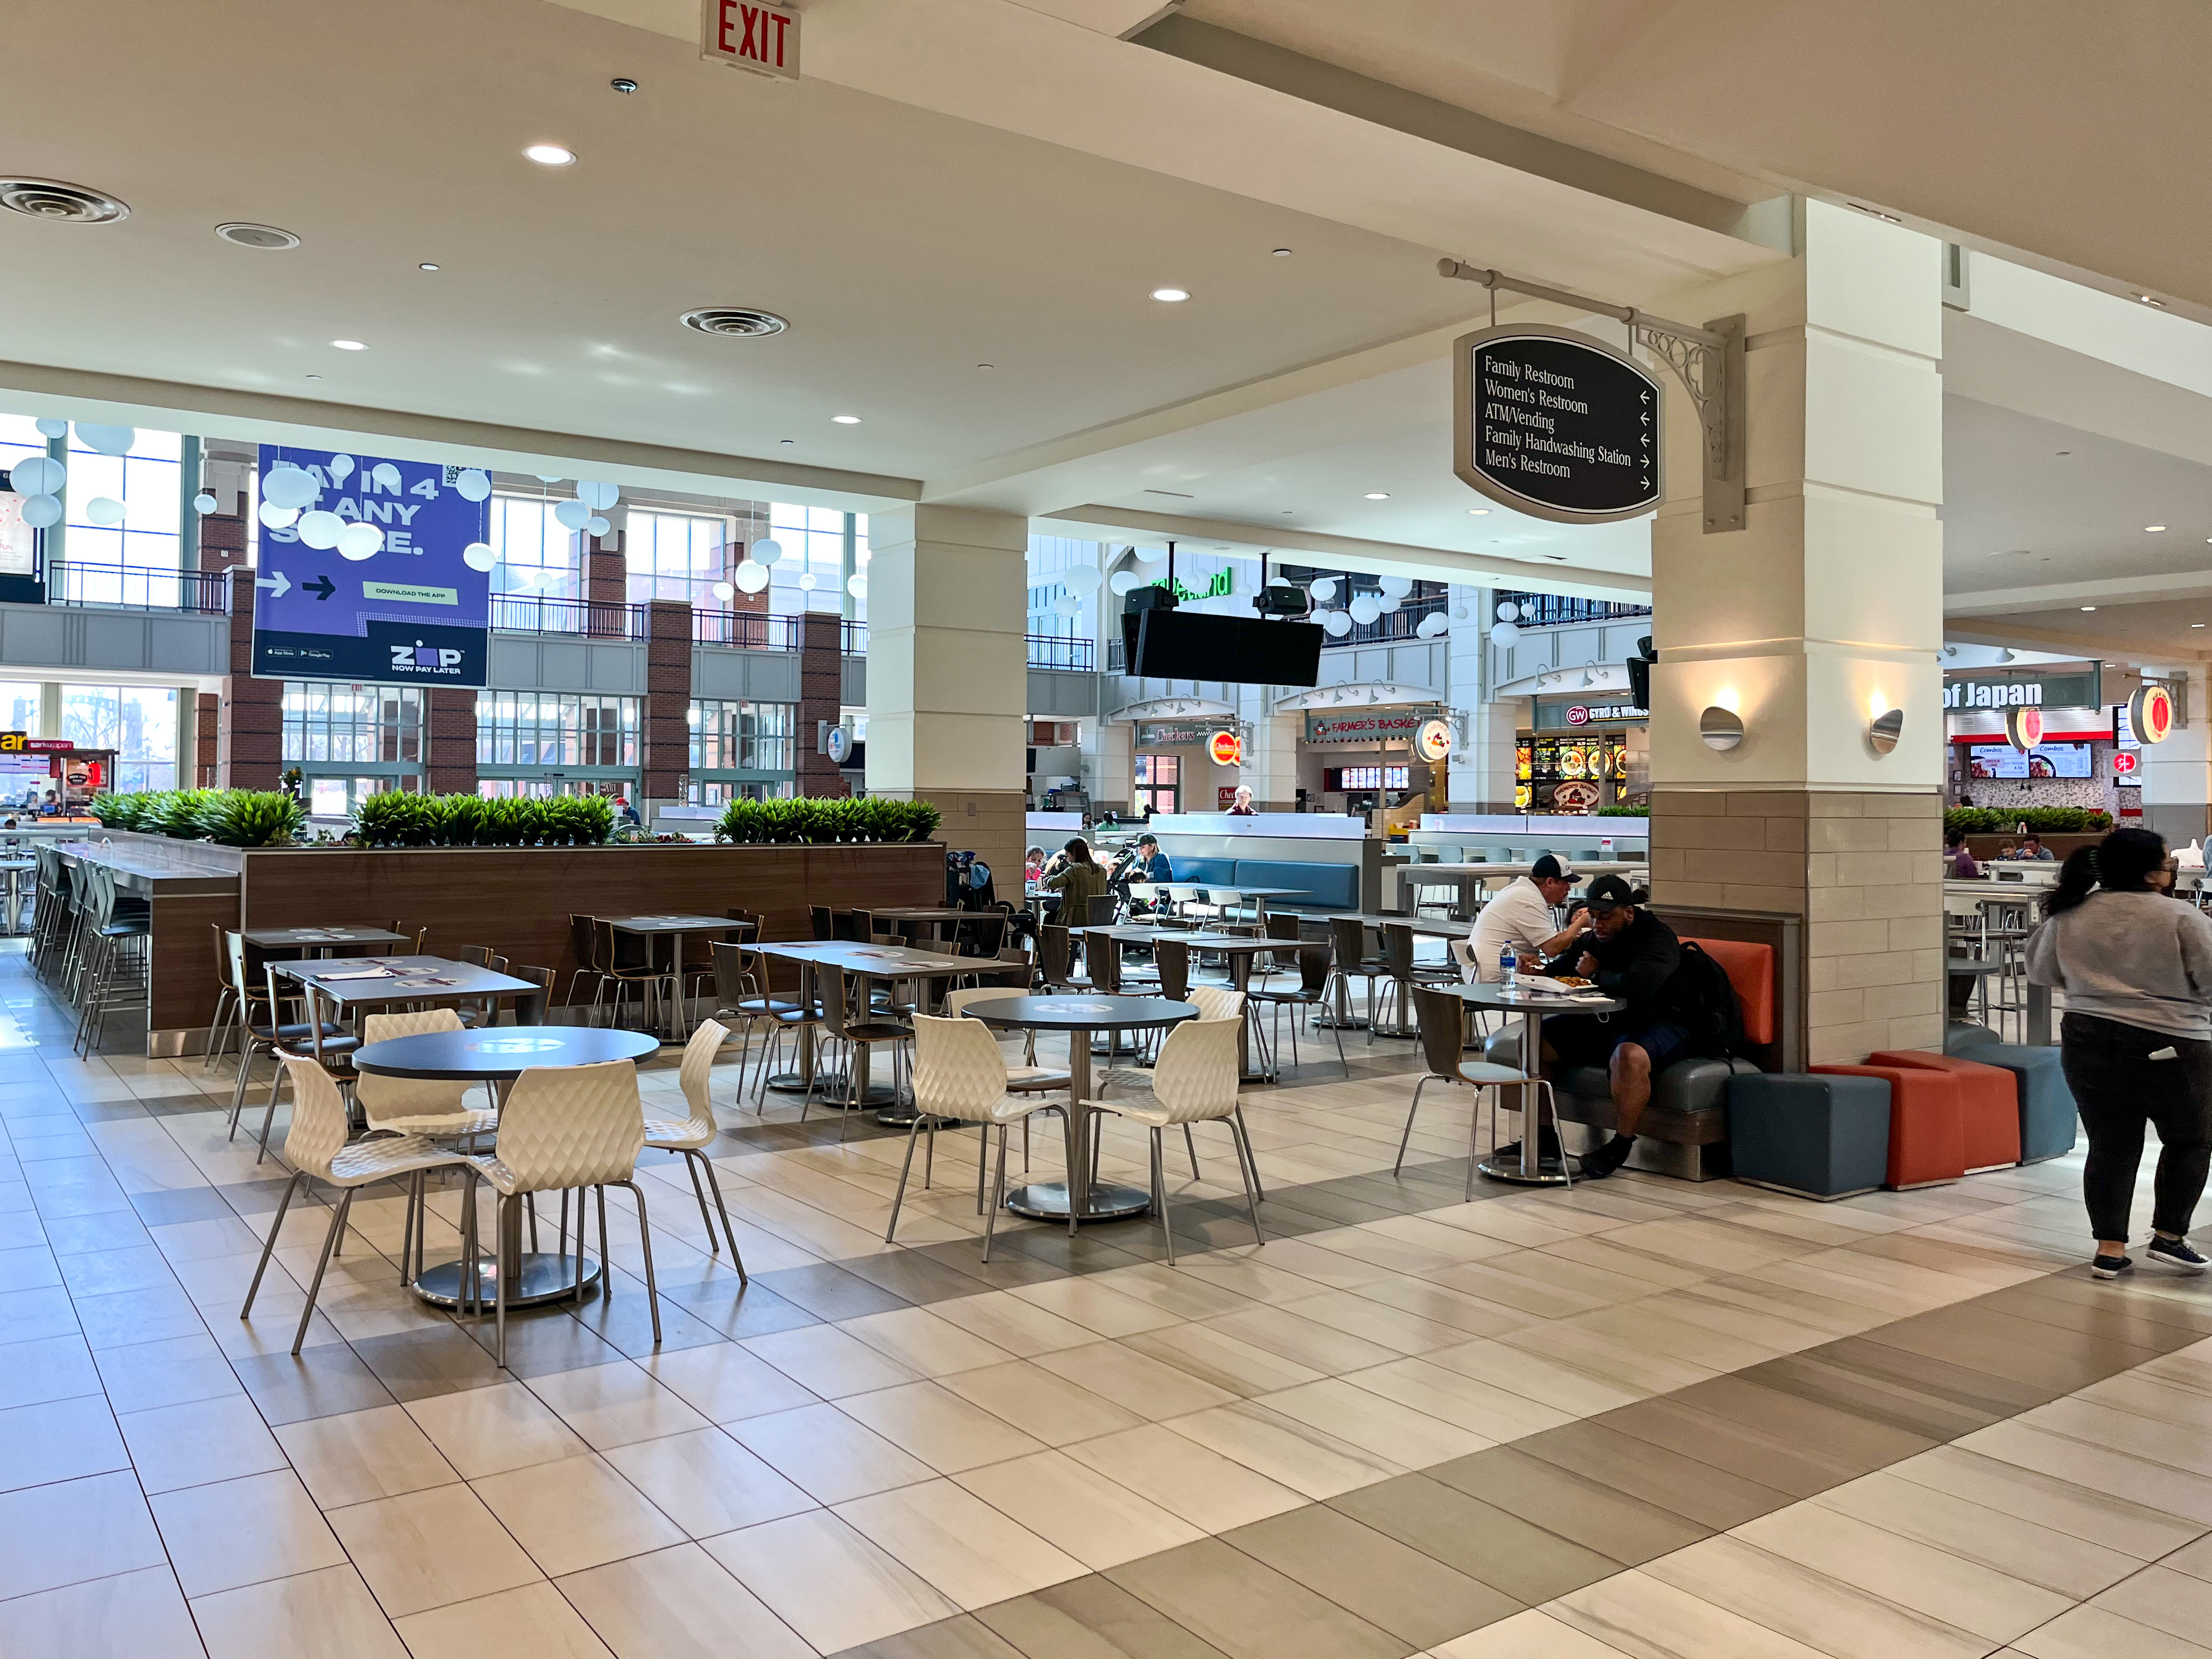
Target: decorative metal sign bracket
[{"x": 1707, "y": 361}]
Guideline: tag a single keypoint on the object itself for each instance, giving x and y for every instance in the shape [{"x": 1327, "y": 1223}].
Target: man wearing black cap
[{"x": 1635, "y": 957}]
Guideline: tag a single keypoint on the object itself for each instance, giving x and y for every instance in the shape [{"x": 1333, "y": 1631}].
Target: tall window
[
  {"x": 741, "y": 749},
  {"x": 145, "y": 483},
  {"x": 674, "y": 555},
  {"x": 1159, "y": 783},
  {"x": 556, "y": 729},
  {"x": 537, "y": 556},
  {"x": 810, "y": 575},
  {"x": 352, "y": 724},
  {"x": 139, "y": 722},
  {"x": 18, "y": 706}
]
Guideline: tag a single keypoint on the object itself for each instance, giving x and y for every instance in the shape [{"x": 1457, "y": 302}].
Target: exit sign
[{"x": 748, "y": 35}]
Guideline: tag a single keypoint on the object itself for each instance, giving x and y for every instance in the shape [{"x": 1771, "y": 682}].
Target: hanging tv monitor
[{"x": 1190, "y": 645}]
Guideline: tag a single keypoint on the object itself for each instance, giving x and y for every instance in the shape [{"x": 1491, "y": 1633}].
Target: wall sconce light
[
  {"x": 1884, "y": 730},
  {"x": 1721, "y": 728}
]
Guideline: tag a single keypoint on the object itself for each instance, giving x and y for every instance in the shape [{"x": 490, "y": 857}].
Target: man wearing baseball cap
[
  {"x": 1635, "y": 957},
  {"x": 1521, "y": 916}
]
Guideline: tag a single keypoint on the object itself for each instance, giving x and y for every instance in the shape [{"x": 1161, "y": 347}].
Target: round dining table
[
  {"x": 496, "y": 1057},
  {"x": 1531, "y": 1168},
  {"x": 1075, "y": 1199}
]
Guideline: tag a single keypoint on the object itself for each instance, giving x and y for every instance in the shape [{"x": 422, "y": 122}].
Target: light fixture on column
[
  {"x": 1885, "y": 728},
  {"x": 1721, "y": 728}
]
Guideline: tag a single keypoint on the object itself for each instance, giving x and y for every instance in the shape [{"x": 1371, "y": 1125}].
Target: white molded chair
[
  {"x": 691, "y": 1136},
  {"x": 1027, "y": 1078},
  {"x": 561, "y": 1129},
  {"x": 959, "y": 1073},
  {"x": 317, "y": 1149},
  {"x": 435, "y": 1107},
  {"x": 1195, "y": 1082}
]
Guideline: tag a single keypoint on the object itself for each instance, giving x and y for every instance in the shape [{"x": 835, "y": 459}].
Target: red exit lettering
[{"x": 763, "y": 38}]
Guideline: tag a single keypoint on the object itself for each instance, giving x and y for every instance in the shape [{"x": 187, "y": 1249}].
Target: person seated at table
[
  {"x": 1078, "y": 878},
  {"x": 2032, "y": 848},
  {"x": 1958, "y": 862},
  {"x": 1521, "y": 916},
  {"x": 1033, "y": 866},
  {"x": 51, "y": 807},
  {"x": 1241, "y": 806},
  {"x": 1635, "y": 957}
]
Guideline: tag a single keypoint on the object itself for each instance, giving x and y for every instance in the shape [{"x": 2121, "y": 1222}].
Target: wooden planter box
[{"x": 517, "y": 900}]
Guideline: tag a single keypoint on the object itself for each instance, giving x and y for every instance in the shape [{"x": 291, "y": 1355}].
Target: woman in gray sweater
[{"x": 2136, "y": 1041}]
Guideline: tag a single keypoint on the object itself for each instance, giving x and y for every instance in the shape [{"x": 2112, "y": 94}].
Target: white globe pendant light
[
  {"x": 320, "y": 530},
  {"x": 361, "y": 541}
]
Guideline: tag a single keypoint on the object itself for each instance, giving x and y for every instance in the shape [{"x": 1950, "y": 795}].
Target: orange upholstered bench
[
  {"x": 1927, "y": 1140},
  {"x": 1988, "y": 1104}
]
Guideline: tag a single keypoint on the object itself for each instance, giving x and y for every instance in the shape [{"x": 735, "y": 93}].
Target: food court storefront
[
  {"x": 1575, "y": 756},
  {"x": 2078, "y": 758},
  {"x": 1366, "y": 761},
  {"x": 1178, "y": 768}
]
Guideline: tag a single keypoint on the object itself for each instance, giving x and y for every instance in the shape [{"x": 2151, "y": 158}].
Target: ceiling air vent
[
  {"x": 742, "y": 322},
  {"x": 50, "y": 198},
  {"x": 261, "y": 236}
]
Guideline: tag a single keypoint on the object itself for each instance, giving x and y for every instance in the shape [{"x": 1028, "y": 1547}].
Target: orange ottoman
[
  {"x": 1988, "y": 1104},
  {"x": 1926, "y": 1144}
]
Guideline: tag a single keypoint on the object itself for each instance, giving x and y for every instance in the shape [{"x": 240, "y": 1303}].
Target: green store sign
[{"x": 1220, "y": 587}]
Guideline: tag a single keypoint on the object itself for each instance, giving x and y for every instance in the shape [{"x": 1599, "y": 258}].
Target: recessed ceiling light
[
  {"x": 623, "y": 83},
  {"x": 1282, "y": 253},
  {"x": 2196, "y": 624},
  {"x": 986, "y": 365},
  {"x": 846, "y": 420},
  {"x": 2064, "y": 451},
  {"x": 550, "y": 155},
  {"x": 1378, "y": 495},
  {"x": 2088, "y": 607},
  {"x": 349, "y": 345},
  {"x": 1171, "y": 296},
  {"x": 786, "y": 440},
  {"x": 426, "y": 265},
  {"x": 314, "y": 377},
  {"x": 2153, "y": 529},
  {"x": 2152, "y": 300},
  {"x": 267, "y": 237},
  {"x": 1477, "y": 513}
]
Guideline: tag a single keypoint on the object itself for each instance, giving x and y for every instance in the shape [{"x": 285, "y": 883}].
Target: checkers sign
[{"x": 1555, "y": 424}]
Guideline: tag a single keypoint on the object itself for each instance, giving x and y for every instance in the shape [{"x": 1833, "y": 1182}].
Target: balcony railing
[
  {"x": 1546, "y": 610},
  {"x": 534, "y": 613},
  {"x": 745, "y": 630},
  {"x": 1392, "y": 626},
  {"x": 1058, "y": 651},
  {"x": 133, "y": 587}
]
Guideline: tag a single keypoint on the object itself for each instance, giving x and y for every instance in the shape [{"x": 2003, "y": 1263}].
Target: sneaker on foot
[
  {"x": 2110, "y": 1267},
  {"x": 1596, "y": 1165},
  {"x": 2176, "y": 1253}
]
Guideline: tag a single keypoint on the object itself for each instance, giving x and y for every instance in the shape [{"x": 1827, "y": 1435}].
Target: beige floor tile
[
  {"x": 1618, "y": 1359},
  {"x": 938, "y": 1426},
  {"x": 826, "y": 1581},
  {"x": 723, "y": 1383},
  {"x": 1932, "y": 1583},
  {"x": 923, "y": 1343},
  {"x": 329, "y": 1614},
  {"x": 1212, "y": 1492},
  {"x": 204, "y": 1440},
  {"x": 613, "y": 1404},
  {"x": 1407, "y": 1436},
  {"x": 829, "y": 1362},
  {"x": 1221, "y": 1359},
  {"x": 971, "y": 1552},
  {"x": 534, "y": 1621},
  {"x": 2149, "y": 1396},
  {"x": 574, "y": 1513},
  {"x": 71, "y": 1531},
  {"x": 2091, "y": 1632},
  {"x": 1048, "y": 1407},
  {"x": 1531, "y": 1635},
  {"x": 1294, "y": 1453},
  {"x": 138, "y": 1615},
  {"x": 706, "y": 1482},
  {"x": 678, "y": 1603},
  {"x": 1133, "y": 1380},
  {"x": 357, "y": 1456},
  {"x": 2073, "y": 1567},
  {"x": 1810, "y": 1606},
  {"x": 59, "y": 1440},
  {"x": 2048, "y": 1500},
  {"x": 1649, "y": 1618},
  {"x": 1495, "y": 1413},
  {"x": 231, "y": 1533},
  {"x": 2116, "y": 1429},
  {"x": 425, "y": 1549},
  {"x": 1008, "y": 1321},
  {"x": 1360, "y": 1315},
  {"x": 2177, "y": 1602},
  {"x": 827, "y": 1455},
  {"x": 1077, "y": 1508},
  {"x": 1321, "y": 1347},
  {"x": 2153, "y": 1486},
  {"x": 483, "y": 1431},
  {"x": 1096, "y": 1307}
]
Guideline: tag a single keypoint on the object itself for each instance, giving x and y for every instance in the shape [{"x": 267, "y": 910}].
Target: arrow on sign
[
  {"x": 278, "y": 585},
  {"x": 322, "y": 587}
]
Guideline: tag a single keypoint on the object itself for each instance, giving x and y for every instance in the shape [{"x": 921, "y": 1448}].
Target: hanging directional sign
[
  {"x": 1555, "y": 424},
  {"x": 378, "y": 572}
]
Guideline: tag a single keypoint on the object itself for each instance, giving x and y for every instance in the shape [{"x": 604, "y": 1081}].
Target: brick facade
[
  {"x": 450, "y": 765},
  {"x": 207, "y": 740},
  {"x": 250, "y": 745},
  {"x": 821, "y": 698},
  {"x": 666, "y": 737},
  {"x": 606, "y": 582}
]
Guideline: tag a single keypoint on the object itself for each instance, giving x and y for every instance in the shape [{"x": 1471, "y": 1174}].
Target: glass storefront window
[
  {"x": 741, "y": 749},
  {"x": 674, "y": 555},
  {"x": 139, "y": 722},
  {"x": 352, "y": 724},
  {"x": 1159, "y": 783},
  {"x": 547, "y": 728},
  {"x": 537, "y": 556}
]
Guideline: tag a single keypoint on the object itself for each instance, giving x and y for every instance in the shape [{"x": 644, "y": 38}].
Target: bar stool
[
  {"x": 21, "y": 873},
  {"x": 115, "y": 967}
]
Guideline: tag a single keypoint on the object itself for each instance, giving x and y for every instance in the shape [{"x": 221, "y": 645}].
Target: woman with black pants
[{"x": 2136, "y": 1042}]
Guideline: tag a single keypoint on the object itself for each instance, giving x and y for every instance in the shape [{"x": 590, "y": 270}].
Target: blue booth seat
[
  {"x": 1819, "y": 1136},
  {"x": 1324, "y": 889},
  {"x": 2047, "y": 1116}
]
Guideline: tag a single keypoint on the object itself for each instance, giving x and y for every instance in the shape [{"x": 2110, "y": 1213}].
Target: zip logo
[{"x": 419, "y": 658}]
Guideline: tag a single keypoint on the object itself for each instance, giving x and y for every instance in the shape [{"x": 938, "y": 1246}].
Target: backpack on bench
[{"x": 1710, "y": 1011}]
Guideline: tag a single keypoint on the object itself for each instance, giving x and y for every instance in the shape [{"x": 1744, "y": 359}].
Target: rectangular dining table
[
  {"x": 870, "y": 963},
  {"x": 322, "y": 940},
  {"x": 673, "y": 928},
  {"x": 359, "y": 984}
]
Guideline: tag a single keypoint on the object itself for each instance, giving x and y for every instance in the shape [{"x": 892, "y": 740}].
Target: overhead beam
[
  {"x": 2107, "y": 590},
  {"x": 270, "y": 417},
  {"x": 2087, "y": 646}
]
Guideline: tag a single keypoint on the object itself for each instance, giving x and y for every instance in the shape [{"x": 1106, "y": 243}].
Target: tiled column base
[
  {"x": 1861, "y": 869},
  {"x": 988, "y": 823}
]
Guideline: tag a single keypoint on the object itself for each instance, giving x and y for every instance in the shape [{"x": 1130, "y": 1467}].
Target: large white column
[
  {"x": 2177, "y": 774},
  {"x": 1825, "y": 611},
  {"x": 1271, "y": 763},
  {"x": 948, "y": 675},
  {"x": 1481, "y": 768},
  {"x": 1113, "y": 768}
]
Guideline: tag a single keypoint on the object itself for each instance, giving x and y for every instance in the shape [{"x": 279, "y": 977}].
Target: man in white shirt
[{"x": 1522, "y": 916}]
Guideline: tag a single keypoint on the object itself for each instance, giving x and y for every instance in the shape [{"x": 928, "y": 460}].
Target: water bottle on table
[{"x": 1509, "y": 967}]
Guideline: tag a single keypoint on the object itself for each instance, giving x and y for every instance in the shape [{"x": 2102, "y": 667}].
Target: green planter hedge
[
  {"x": 2040, "y": 820},
  {"x": 230, "y": 817},
  {"x": 805, "y": 820},
  {"x": 1624, "y": 813},
  {"x": 396, "y": 818}
]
